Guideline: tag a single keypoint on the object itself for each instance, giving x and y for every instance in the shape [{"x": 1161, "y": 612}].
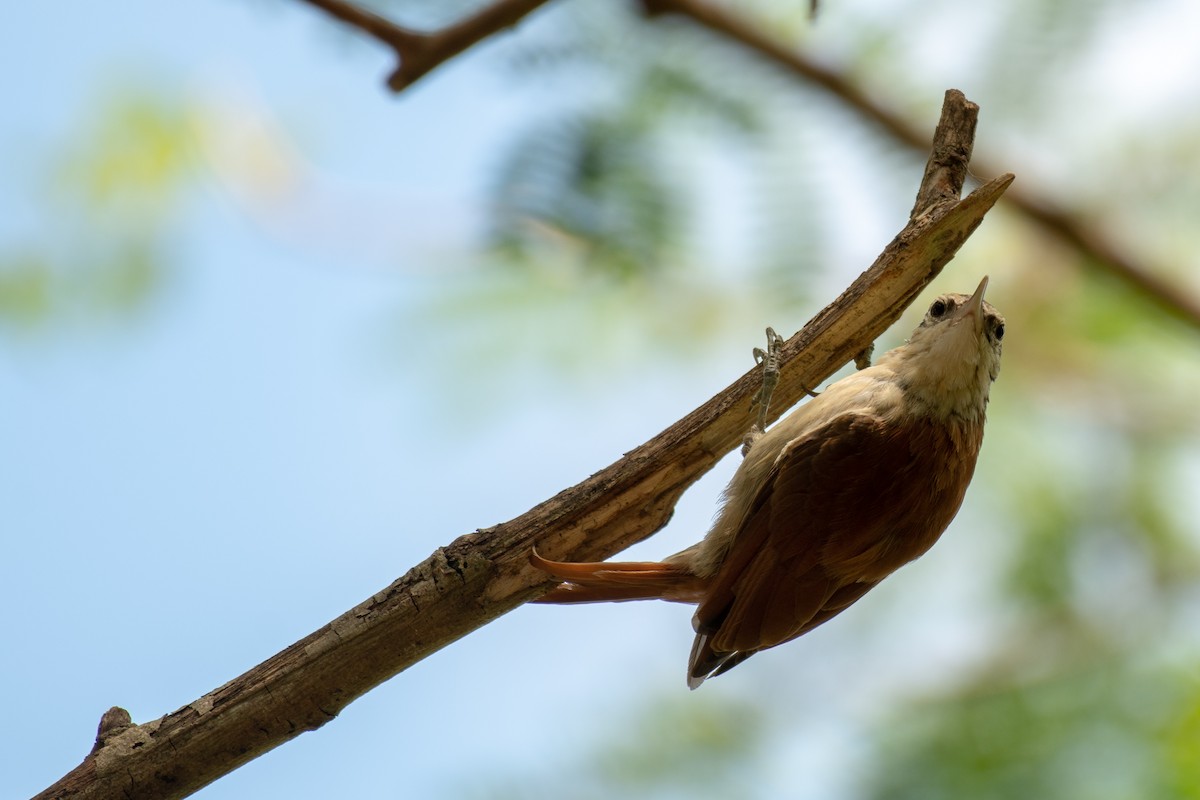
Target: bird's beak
[{"x": 974, "y": 306}]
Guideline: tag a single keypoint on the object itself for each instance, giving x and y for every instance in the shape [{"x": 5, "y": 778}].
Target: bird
[{"x": 850, "y": 486}]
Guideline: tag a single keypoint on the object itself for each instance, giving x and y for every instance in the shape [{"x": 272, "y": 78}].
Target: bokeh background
[{"x": 269, "y": 335}]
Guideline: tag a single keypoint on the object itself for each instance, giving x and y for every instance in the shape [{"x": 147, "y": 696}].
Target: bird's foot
[{"x": 769, "y": 360}]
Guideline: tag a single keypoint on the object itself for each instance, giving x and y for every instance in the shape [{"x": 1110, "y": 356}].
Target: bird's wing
[{"x": 820, "y": 533}]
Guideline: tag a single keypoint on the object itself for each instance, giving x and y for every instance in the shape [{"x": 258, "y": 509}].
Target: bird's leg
[
  {"x": 769, "y": 360},
  {"x": 863, "y": 359}
]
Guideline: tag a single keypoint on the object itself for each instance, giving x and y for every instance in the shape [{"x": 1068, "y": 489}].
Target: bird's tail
[{"x": 608, "y": 581}]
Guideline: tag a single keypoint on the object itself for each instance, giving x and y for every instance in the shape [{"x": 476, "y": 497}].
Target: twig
[
  {"x": 485, "y": 574},
  {"x": 419, "y": 53},
  {"x": 1096, "y": 249},
  {"x": 953, "y": 142}
]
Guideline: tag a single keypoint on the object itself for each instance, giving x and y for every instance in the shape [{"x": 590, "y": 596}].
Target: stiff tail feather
[
  {"x": 613, "y": 581},
  {"x": 705, "y": 663}
]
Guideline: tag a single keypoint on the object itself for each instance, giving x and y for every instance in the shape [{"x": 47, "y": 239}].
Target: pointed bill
[
  {"x": 973, "y": 307},
  {"x": 975, "y": 303}
]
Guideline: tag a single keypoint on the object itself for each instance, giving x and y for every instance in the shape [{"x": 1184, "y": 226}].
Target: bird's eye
[
  {"x": 937, "y": 309},
  {"x": 999, "y": 332}
]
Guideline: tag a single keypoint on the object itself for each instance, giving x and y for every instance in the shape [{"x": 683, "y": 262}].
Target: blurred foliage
[
  {"x": 603, "y": 238},
  {"x": 113, "y": 194},
  {"x": 592, "y": 183},
  {"x": 134, "y": 160},
  {"x": 1111, "y": 729},
  {"x": 1081, "y": 689},
  {"x": 661, "y": 177},
  {"x": 602, "y": 181},
  {"x": 667, "y": 748}
]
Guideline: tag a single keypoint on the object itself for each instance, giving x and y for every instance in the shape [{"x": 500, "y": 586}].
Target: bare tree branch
[
  {"x": 484, "y": 574},
  {"x": 419, "y": 53},
  {"x": 1098, "y": 251}
]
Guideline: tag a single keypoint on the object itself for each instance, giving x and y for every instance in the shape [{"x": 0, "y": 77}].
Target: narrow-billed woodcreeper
[{"x": 835, "y": 497}]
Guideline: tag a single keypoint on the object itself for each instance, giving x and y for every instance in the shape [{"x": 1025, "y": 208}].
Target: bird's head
[{"x": 954, "y": 354}]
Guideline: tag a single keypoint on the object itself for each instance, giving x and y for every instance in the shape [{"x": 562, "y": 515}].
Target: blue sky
[{"x": 192, "y": 491}]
